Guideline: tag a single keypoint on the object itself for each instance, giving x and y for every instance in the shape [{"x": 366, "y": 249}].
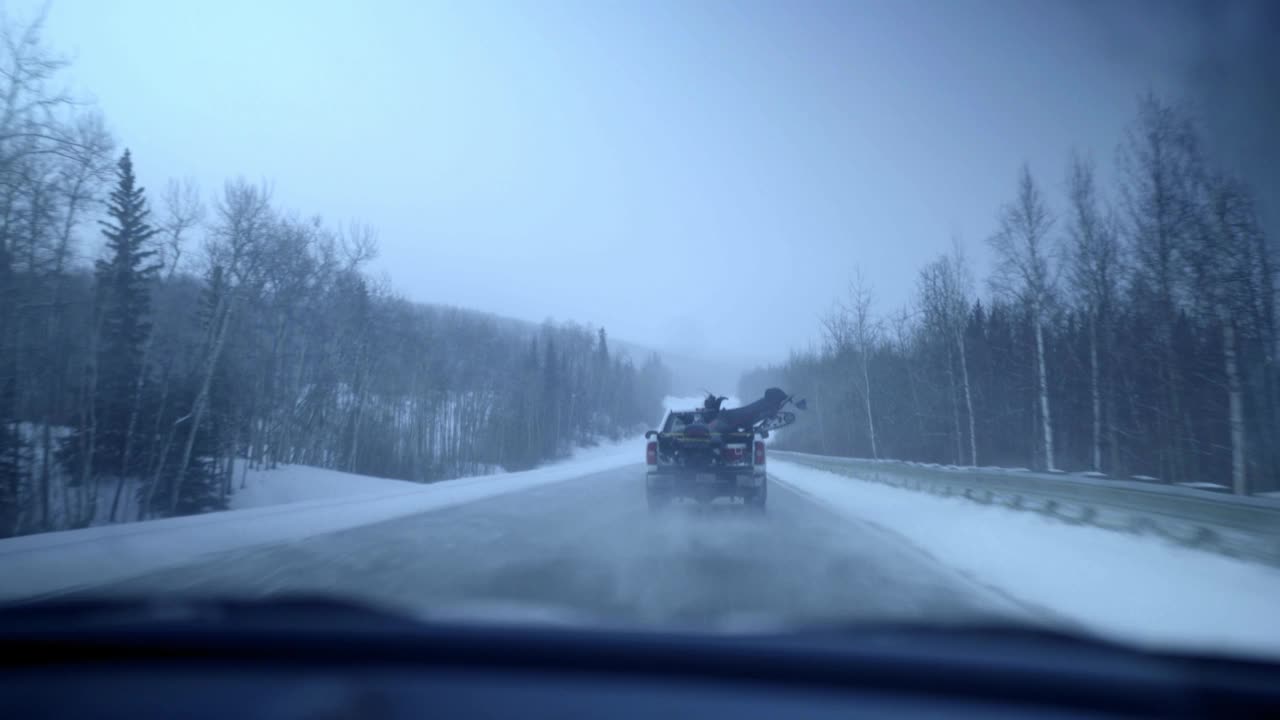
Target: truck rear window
[{"x": 677, "y": 422}]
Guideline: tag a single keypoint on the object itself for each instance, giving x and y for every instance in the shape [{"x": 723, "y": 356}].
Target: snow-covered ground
[
  {"x": 1135, "y": 588},
  {"x": 1130, "y": 587},
  {"x": 300, "y": 483},
  {"x": 316, "y": 502}
]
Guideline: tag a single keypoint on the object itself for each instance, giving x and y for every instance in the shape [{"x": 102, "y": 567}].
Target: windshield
[{"x": 378, "y": 301}]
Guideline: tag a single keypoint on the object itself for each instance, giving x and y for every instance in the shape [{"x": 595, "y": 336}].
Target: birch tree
[
  {"x": 42, "y": 150},
  {"x": 245, "y": 218},
  {"x": 1221, "y": 264},
  {"x": 852, "y": 330},
  {"x": 1093, "y": 269},
  {"x": 1023, "y": 271},
  {"x": 1160, "y": 165},
  {"x": 945, "y": 288}
]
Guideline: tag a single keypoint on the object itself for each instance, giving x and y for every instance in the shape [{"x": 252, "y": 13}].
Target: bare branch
[
  {"x": 358, "y": 244},
  {"x": 184, "y": 211}
]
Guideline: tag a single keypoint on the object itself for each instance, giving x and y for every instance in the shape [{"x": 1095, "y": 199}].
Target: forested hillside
[
  {"x": 1129, "y": 330},
  {"x": 149, "y": 339}
]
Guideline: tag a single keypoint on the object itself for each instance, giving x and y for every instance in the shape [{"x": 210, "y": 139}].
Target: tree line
[
  {"x": 205, "y": 339},
  {"x": 1130, "y": 331}
]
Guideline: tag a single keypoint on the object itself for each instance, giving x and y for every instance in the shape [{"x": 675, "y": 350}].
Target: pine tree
[
  {"x": 125, "y": 277},
  {"x": 602, "y": 348},
  {"x": 123, "y": 299}
]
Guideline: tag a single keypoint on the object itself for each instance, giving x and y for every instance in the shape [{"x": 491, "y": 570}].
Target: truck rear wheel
[{"x": 758, "y": 501}]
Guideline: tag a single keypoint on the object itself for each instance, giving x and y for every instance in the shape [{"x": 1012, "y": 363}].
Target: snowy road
[{"x": 588, "y": 550}]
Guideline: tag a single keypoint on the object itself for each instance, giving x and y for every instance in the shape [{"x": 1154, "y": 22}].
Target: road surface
[{"x": 588, "y": 550}]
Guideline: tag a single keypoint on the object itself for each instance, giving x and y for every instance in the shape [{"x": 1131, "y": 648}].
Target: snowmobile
[{"x": 761, "y": 416}]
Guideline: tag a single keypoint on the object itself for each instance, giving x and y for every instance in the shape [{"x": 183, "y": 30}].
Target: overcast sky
[{"x": 700, "y": 176}]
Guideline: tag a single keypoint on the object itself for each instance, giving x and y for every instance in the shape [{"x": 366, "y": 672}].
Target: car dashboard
[{"x": 299, "y": 663}]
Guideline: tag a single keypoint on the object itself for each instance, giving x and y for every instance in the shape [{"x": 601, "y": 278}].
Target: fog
[
  {"x": 421, "y": 304},
  {"x": 652, "y": 168}
]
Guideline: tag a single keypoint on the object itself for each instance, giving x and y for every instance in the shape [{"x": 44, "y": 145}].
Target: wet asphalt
[{"x": 588, "y": 551}]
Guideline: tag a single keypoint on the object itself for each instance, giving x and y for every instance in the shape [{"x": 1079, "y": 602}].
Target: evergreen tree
[
  {"x": 125, "y": 277},
  {"x": 122, "y": 319},
  {"x": 602, "y": 349}
]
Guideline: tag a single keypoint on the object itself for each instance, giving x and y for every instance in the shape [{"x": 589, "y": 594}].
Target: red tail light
[
  {"x": 651, "y": 453},
  {"x": 759, "y": 452}
]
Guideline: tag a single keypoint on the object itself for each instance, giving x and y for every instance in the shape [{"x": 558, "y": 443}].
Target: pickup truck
[{"x": 687, "y": 459}]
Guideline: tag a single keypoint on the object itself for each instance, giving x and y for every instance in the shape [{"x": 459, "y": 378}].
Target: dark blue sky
[{"x": 648, "y": 166}]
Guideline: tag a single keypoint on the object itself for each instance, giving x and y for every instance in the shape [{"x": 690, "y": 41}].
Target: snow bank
[
  {"x": 300, "y": 483},
  {"x": 49, "y": 563},
  {"x": 1212, "y": 486},
  {"x": 1134, "y": 588}
]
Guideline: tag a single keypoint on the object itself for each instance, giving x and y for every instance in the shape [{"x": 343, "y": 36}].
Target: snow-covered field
[
  {"x": 1136, "y": 588},
  {"x": 314, "y": 502}
]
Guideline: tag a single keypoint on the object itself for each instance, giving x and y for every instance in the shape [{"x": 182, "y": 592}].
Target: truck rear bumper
[{"x": 717, "y": 484}]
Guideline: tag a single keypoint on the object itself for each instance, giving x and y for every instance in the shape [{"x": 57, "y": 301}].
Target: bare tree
[
  {"x": 945, "y": 290},
  {"x": 245, "y": 219},
  {"x": 1161, "y": 165},
  {"x": 44, "y": 146},
  {"x": 1222, "y": 264},
  {"x": 866, "y": 333},
  {"x": 1093, "y": 269},
  {"x": 30, "y": 121},
  {"x": 358, "y": 244},
  {"x": 184, "y": 212},
  {"x": 851, "y": 326},
  {"x": 903, "y": 325},
  {"x": 1023, "y": 272},
  {"x": 81, "y": 177}
]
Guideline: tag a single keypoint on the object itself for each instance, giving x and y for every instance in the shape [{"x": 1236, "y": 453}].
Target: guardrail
[{"x": 1246, "y": 527}]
